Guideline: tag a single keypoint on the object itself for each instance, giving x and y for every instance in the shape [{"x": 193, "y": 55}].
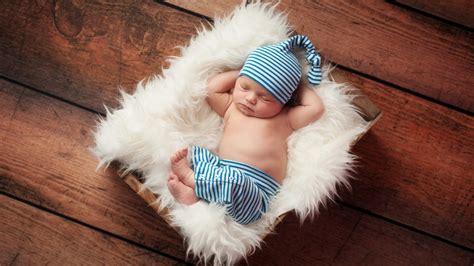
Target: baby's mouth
[{"x": 245, "y": 107}]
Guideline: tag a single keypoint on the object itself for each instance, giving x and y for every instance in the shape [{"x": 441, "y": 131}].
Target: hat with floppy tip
[{"x": 276, "y": 68}]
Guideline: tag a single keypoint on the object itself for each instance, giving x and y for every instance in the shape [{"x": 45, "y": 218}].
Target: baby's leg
[
  {"x": 181, "y": 168},
  {"x": 182, "y": 193}
]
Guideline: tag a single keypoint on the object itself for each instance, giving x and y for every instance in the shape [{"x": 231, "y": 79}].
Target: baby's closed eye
[{"x": 266, "y": 98}]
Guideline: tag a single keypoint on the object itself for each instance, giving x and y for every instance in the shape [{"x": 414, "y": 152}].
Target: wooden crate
[{"x": 368, "y": 110}]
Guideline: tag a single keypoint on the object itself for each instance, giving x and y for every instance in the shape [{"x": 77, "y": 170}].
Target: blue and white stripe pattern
[
  {"x": 276, "y": 68},
  {"x": 243, "y": 189}
]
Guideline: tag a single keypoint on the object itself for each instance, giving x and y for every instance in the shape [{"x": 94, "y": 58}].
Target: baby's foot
[
  {"x": 182, "y": 193},
  {"x": 180, "y": 167}
]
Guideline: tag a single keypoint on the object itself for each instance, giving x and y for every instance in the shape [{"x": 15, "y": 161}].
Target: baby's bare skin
[
  {"x": 259, "y": 142},
  {"x": 256, "y": 128}
]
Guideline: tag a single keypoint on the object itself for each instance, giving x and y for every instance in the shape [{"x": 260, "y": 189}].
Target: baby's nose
[{"x": 251, "y": 98}]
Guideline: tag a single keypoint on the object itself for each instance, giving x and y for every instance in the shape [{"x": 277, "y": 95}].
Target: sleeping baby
[{"x": 251, "y": 160}]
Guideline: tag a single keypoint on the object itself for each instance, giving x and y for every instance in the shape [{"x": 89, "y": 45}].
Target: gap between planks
[
  {"x": 349, "y": 206},
  {"x": 86, "y": 225}
]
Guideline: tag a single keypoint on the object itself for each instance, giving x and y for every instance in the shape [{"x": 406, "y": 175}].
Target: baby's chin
[{"x": 261, "y": 115}]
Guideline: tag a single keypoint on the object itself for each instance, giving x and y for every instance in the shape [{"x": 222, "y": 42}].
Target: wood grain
[
  {"x": 34, "y": 237},
  {"x": 340, "y": 236},
  {"x": 35, "y": 170},
  {"x": 84, "y": 52},
  {"x": 219, "y": 8},
  {"x": 149, "y": 198},
  {"x": 353, "y": 238},
  {"x": 398, "y": 159},
  {"x": 459, "y": 11},
  {"x": 377, "y": 38},
  {"x": 416, "y": 163},
  {"x": 45, "y": 159},
  {"x": 385, "y": 41}
]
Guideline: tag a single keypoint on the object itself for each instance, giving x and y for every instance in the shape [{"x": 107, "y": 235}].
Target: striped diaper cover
[{"x": 243, "y": 189}]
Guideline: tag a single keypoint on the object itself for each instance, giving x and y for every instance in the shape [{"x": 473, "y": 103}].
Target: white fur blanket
[{"x": 169, "y": 111}]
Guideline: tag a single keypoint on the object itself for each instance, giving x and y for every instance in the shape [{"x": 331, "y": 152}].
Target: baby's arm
[
  {"x": 218, "y": 88},
  {"x": 310, "y": 109}
]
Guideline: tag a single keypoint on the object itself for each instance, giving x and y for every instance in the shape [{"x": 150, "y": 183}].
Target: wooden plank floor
[{"x": 412, "y": 202}]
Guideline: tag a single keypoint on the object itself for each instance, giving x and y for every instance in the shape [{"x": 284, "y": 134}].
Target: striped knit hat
[{"x": 276, "y": 68}]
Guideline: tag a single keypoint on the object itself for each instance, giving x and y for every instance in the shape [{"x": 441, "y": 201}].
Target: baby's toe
[
  {"x": 173, "y": 176},
  {"x": 182, "y": 152},
  {"x": 173, "y": 184},
  {"x": 174, "y": 158}
]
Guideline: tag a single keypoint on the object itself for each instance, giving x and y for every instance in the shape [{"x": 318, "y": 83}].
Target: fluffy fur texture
[{"x": 170, "y": 111}]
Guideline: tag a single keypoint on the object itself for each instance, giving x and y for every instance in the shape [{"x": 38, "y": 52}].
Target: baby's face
[{"x": 253, "y": 100}]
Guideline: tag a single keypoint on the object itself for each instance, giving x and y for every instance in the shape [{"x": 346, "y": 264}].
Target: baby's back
[{"x": 261, "y": 143}]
